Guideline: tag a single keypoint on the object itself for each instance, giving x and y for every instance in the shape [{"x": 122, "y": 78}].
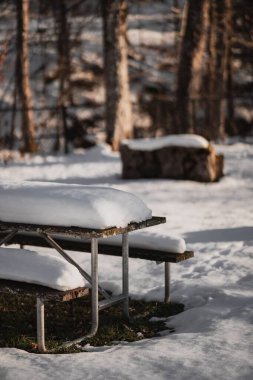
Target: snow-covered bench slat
[
  {"x": 43, "y": 292},
  {"x": 39, "y": 268},
  {"x": 105, "y": 248}
]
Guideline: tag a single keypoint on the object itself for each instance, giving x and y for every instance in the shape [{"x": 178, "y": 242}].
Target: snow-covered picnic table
[{"x": 51, "y": 209}]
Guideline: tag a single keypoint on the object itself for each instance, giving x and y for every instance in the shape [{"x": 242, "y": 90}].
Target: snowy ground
[{"x": 213, "y": 337}]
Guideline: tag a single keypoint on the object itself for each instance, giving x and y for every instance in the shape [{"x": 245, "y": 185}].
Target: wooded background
[{"x": 74, "y": 72}]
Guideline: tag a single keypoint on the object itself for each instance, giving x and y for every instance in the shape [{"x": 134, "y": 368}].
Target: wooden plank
[
  {"x": 80, "y": 245},
  {"x": 43, "y": 292},
  {"x": 78, "y": 231}
]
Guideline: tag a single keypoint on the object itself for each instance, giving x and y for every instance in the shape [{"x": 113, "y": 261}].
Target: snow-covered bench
[
  {"x": 78, "y": 218},
  {"x": 142, "y": 245},
  {"x": 46, "y": 277}
]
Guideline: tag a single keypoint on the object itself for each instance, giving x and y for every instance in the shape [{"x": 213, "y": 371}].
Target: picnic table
[{"x": 48, "y": 210}]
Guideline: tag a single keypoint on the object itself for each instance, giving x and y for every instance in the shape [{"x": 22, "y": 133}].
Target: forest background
[{"x": 75, "y": 73}]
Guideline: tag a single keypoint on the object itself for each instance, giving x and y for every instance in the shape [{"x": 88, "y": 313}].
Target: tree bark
[
  {"x": 197, "y": 164},
  {"x": 228, "y": 80},
  {"x": 118, "y": 113},
  {"x": 64, "y": 67},
  {"x": 219, "y": 67},
  {"x": 199, "y": 61},
  {"x": 190, "y": 47},
  {"x": 23, "y": 79}
]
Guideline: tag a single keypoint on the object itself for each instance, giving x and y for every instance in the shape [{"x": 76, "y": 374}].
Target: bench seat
[
  {"x": 43, "y": 276},
  {"x": 43, "y": 292},
  {"x": 39, "y": 268},
  {"x": 104, "y": 247}
]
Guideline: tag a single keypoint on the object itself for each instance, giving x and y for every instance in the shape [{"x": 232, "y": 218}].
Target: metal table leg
[
  {"x": 94, "y": 286},
  {"x": 40, "y": 326},
  {"x": 56, "y": 246},
  {"x": 167, "y": 282},
  {"x": 125, "y": 274},
  {"x": 8, "y": 237},
  {"x": 94, "y": 299},
  {"x": 94, "y": 295}
]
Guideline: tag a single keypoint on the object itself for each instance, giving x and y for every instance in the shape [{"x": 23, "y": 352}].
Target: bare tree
[
  {"x": 199, "y": 61},
  {"x": 118, "y": 104},
  {"x": 64, "y": 65},
  {"x": 220, "y": 70},
  {"x": 22, "y": 76},
  {"x": 190, "y": 60},
  {"x": 205, "y": 67},
  {"x": 228, "y": 113}
]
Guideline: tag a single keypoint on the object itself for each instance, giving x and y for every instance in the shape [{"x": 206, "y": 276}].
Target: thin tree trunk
[
  {"x": 211, "y": 76},
  {"x": 14, "y": 109},
  {"x": 64, "y": 67},
  {"x": 23, "y": 79},
  {"x": 190, "y": 46},
  {"x": 228, "y": 71},
  {"x": 199, "y": 61},
  {"x": 176, "y": 22},
  {"x": 218, "y": 69},
  {"x": 222, "y": 71},
  {"x": 118, "y": 105}
]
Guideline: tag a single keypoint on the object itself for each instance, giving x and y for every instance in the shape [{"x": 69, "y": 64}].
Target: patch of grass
[{"x": 70, "y": 320}]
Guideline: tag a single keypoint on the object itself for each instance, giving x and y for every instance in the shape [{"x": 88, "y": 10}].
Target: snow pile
[
  {"x": 150, "y": 240},
  {"x": 39, "y": 268},
  {"x": 184, "y": 140},
  {"x": 58, "y": 204}
]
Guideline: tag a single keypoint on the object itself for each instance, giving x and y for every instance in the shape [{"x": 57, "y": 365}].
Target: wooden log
[{"x": 197, "y": 164}]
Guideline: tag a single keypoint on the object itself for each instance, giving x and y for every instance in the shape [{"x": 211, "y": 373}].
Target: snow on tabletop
[
  {"x": 184, "y": 140},
  {"x": 49, "y": 203},
  {"x": 39, "y": 268},
  {"x": 150, "y": 240}
]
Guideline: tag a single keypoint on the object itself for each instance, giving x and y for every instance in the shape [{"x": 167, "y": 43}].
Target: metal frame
[
  {"x": 167, "y": 298},
  {"x": 46, "y": 233},
  {"x": 95, "y": 287}
]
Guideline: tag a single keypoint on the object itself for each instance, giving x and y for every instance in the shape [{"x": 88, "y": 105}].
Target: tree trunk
[
  {"x": 64, "y": 66},
  {"x": 176, "y": 22},
  {"x": 228, "y": 80},
  {"x": 190, "y": 47},
  {"x": 219, "y": 62},
  {"x": 199, "y": 61},
  {"x": 23, "y": 80},
  {"x": 118, "y": 113}
]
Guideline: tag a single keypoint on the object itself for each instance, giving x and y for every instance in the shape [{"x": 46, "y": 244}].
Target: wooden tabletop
[{"x": 81, "y": 232}]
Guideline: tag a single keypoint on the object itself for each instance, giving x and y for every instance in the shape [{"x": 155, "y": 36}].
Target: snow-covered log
[{"x": 187, "y": 157}]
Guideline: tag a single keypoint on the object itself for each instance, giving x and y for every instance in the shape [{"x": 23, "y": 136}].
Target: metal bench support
[
  {"x": 125, "y": 274},
  {"x": 167, "y": 298},
  {"x": 40, "y": 325},
  {"x": 94, "y": 286}
]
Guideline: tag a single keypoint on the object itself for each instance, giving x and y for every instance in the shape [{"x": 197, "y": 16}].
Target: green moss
[{"x": 70, "y": 320}]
